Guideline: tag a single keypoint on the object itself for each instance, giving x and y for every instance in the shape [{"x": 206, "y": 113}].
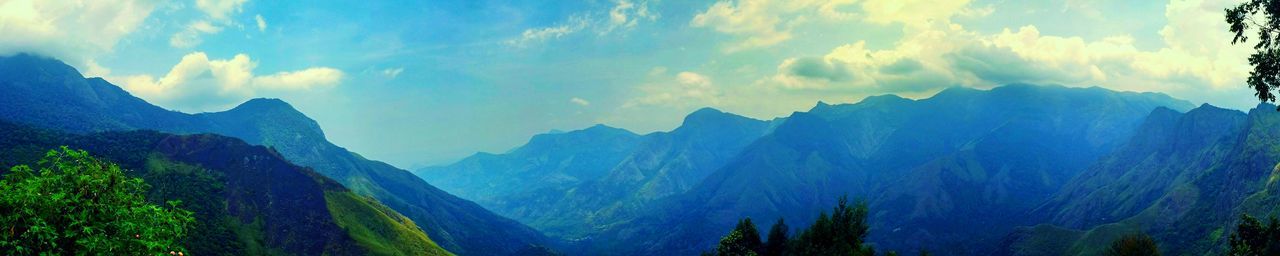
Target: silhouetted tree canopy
[
  {"x": 841, "y": 233},
  {"x": 1262, "y": 16},
  {"x": 1133, "y": 245},
  {"x": 1253, "y": 238},
  {"x": 777, "y": 243}
]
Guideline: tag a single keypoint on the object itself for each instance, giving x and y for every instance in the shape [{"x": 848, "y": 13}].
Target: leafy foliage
[
  {"x": 1253, "y": 238},
  {"x": 248, "y": 200},
  {"x": 777, "y": 243},
  {"x": 1133, "y": 245},
  {"x": 841, "y": 233},
  {"x": 76, "y": 204},
  {"x": 736, "y": 244},
  {"x": 1264, "y": 17}
]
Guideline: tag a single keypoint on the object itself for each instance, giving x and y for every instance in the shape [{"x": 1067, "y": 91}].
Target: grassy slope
[{"x": 378, "y": 228}]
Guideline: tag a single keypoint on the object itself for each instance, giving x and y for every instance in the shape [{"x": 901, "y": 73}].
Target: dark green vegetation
[
  {"x": 49, "y": 94},
  {"x": 73, "y": 203},
  {"x": 1264, "y": 17},
  {"x": 1133, "y": 245},
  {"x": 247, "y": 199},
  {"x": 1252, "y": 238},
  {"x": 841, "y": 233},
  {"x": 378, "y": 228}
]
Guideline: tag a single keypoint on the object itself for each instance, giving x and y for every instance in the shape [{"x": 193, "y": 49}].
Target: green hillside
[
  {"x": 247, "y": 200},
  {"x": 378, "y": 228}
]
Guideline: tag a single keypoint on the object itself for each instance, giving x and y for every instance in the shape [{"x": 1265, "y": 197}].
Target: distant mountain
[
  {"x": 48, "y": 93},
  {"x": 547, "y": 162},
  {"x": 1184, "y": 178},
  {"x": 933, "y": 170},
  {"x": 568, "y": 183},
  {"x": 247, "y": 199},
  {"x": 1168, "y": 148}
]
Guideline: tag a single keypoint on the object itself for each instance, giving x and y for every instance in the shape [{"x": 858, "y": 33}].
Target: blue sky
[{"x": 428, "y": 82}]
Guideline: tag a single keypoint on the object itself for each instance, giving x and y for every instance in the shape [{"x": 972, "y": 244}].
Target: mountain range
[
  {"x": 47, "y": 93},
  {"x": 568, "y": 183},
  {"x": 1185, "y": 178},
  {"x": 1013, "y": 170},
  {"x": 984, "y": 156}
]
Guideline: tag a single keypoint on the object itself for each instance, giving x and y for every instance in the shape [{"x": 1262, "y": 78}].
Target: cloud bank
[
  {"x": 199, "y": 84},
  {"x": 75, "y": 31}
]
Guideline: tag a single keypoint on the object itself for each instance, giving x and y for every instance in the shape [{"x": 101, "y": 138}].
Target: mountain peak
[
  {"x": 33, "y": 60},
  {"x": 594, "y": 131},
  {"x": 264, "y": 104},
  {"x": 710, "y": 117},
  {"x": 882, "y": 99},
  {"x": 1206, "y": 107},
  {"x": 603, "y": 127},
  {"x": 1266, "y": 106},
  {"x": 954, "y": 91},
  {"x": 583, "y": 138},
  {"x": 703, "y": 114},
  {"x": 22, "y": 66}
]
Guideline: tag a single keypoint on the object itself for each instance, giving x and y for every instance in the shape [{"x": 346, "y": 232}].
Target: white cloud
[
  {"x": 626, "y": 14},
  {"x": 218, "y": 14},
  {"x": 198, "y": 83},
  {"x": 579, "y": 101},
  {"x": 303, "y": 80},
  {"x": 916, "y": 12},
  {"x": 392, "y": 73},
  {"x": 190, "y": 35},
  {"x": 1197, "y": 56},
  {"x": 75, "y": 31},
  {"x": 693, "y": 79},
  {"x": 535, "y": 35},
  {"x": 262, "y": 24},
  {"x": 684, "y": 90},
  {"x": 220, "y": 10},
  {"x": 763, "y": 22}
]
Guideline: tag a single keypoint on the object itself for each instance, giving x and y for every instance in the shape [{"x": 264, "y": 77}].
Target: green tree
[
  {"x": 1253, "y": 238},
  {"x": 734, "y": 244},
  {"x": 76, "y": 204},
  {"x": 750, "y": 235},
  {"x": 840, "y": 234},
  {"x": 1133, "y": 245},
  {"x": 777, "y": 243},
  {"x": 1262, "y": 16},
  {"x": 744, "y": 239}
]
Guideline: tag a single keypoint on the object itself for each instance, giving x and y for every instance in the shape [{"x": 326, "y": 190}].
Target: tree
[
  {"x": 1253, "y": 238},
  {"x": 777, "y": 243},
  {"x": 840, "y": 234},
  {"x": 1264, "y": 17},
  {"x": 751, "y": 236},
  {"x": 1133, "y": 245},
  {"x": 734, "y": 244},
  {"x": 744, "y": 239},
  {"x": 76, "y": 204}
]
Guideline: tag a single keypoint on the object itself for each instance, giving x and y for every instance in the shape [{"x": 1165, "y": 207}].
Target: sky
[{"x": 418, "y": 83}]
